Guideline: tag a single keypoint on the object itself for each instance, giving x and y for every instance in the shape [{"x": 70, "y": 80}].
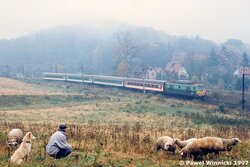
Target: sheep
[
  {"x": 228, "y": 143},
  {"x": 183, "y": 143},
  {"x": 165, "y": 143},
  {"x": 15, "y": 137},
  {"x": 202, "y": 147}
]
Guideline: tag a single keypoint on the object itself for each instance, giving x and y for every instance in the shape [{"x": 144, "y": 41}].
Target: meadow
[{"x": 110, "y": 126}]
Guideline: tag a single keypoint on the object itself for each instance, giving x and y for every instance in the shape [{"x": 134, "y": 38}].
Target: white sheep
[
  {"x": 165, "y": 143},
  {"x": 183, "y": 143},
  {"x": 229, "y": 143},
  {"x": 202, "y": 147},
  {"x": 15, "y": 137}
]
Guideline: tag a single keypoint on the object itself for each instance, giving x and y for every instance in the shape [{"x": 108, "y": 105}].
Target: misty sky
[{"x": 217, "y": 20}]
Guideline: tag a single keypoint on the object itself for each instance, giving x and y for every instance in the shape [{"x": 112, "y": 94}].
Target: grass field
[{"x": 110, "y": 126}]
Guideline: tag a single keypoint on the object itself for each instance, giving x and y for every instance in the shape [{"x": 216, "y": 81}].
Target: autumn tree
[
  {"x": 123, "y": 69},
  {"x": 125, "y": 49}
]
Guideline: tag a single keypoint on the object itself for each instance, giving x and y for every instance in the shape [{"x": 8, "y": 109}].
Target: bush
[{"x": 222, "y": 107}]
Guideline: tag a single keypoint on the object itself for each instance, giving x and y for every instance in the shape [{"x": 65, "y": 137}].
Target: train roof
[
  {"x": 188, "y": 82},
  {"x": 145, "y": 80},
  {"x": 101, "y": 76}
]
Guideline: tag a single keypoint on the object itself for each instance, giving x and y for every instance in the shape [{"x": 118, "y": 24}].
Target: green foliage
[
  {"x": 245, "y": 60},
  {"x": 213, "y": 60},
  {"x": 3, "y": 138},
  {"x": 213, "y": 119},
  {"x": 222, "y": 107},
  {"x": 24, "y": 101}
]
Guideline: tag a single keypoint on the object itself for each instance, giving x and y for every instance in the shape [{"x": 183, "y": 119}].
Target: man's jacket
[{"x": 57, "y": 142}]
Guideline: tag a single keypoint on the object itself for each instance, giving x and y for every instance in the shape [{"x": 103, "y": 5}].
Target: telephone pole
[
  {"x": 243, "y": 90},
  {"x": 82, "y": 72},
  {"x": 245, "y": 71}
]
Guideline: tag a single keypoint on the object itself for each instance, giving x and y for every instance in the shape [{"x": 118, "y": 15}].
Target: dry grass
[
  {"x": 110, "y": 127},
  {"x": 102, "y": 112},
  {"x": 15, "y": 87},
  {"x": 120, "y": 143}
]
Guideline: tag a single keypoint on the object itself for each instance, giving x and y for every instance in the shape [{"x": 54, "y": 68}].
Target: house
[
  {"x": 238, "y": 72},
  {"x": 148, "y": 72},
  {"x": 176, "y": 70},
  {"x": 153, "y": 72}
]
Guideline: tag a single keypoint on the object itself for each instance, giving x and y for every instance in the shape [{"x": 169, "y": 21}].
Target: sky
[{"x": 216, "y": 20}]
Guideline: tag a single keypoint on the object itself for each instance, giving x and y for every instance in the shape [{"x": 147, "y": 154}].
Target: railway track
[{"x": 215, "y": 101}]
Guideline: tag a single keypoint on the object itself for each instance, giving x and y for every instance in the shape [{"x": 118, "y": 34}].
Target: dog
[{"x": 22, "y": 153}]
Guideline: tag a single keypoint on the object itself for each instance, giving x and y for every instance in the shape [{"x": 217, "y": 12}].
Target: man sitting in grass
[{"x": 58, "y": 147}]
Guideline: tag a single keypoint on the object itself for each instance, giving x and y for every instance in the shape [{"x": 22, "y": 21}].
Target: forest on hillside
[{"x": 122, "y": 50}]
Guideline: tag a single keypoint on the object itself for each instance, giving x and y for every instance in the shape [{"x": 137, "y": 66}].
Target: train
[{"x": 185, "y": 88}]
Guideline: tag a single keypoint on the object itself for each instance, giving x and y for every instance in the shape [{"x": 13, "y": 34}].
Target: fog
[{"x": 211, "y": 19}]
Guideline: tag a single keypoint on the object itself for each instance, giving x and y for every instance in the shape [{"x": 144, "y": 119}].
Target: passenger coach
[{"x": 151, "y": 85}]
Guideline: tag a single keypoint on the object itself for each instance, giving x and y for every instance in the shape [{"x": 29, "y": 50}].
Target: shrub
[{"x": 221, "y": 107}]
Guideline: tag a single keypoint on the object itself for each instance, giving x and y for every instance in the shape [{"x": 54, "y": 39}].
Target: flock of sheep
[
  {"x": 194, "y": 148},
  {"x": 191, "y": 148}
]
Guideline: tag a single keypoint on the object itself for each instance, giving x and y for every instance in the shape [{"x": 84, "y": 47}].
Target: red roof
[{"x": 246, "y": 70}]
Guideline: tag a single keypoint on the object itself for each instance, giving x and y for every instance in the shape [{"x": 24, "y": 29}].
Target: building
[
  {"x": 153, "y": 72},
  {"x": 238, "y": 72},
  {"x": 176, "y": 71}
]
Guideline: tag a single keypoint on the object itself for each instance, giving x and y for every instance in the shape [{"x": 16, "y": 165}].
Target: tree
[
  {"x": 195, "y": 78},
  {"x": 123, "y": 69},
  {"x": 245, "y": 60},
  {"x": 221, "y": 85},
  {"x": 125, "y": 49},
  {"x": 213, "y": 59}
]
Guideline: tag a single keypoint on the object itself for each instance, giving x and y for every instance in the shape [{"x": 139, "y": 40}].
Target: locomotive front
[{"x": 201, "y": 91}]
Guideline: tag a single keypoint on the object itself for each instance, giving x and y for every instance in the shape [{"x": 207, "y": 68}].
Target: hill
[{"x": 91, "y": 48}]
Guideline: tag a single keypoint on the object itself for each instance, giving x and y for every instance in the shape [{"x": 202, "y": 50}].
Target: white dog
[{"x": 23, "y": 151}]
